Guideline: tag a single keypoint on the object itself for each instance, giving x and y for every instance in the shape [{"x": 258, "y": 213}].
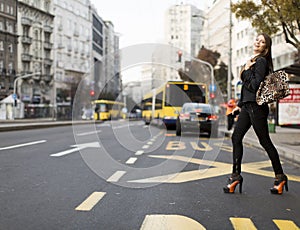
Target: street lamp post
[{"x": 15, "y": 88}]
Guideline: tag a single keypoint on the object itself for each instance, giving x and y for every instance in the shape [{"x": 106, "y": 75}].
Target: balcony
[
  {"x": 3, "y": 71},
  {"x": 11, "y": 72},
  {"x": 48, "y": 29},
  {"x": 26, "y": 21},
  {"x": 26, "y": 40},
  {"x": 26, "y": 57},
  {"x": 48, "y": 61},
  {"x": 48, "y": 45},
  {"x": 47, "y": 77}
]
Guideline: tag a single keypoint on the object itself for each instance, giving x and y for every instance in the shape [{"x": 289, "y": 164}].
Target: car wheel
[{"x": 178, "y": 127}]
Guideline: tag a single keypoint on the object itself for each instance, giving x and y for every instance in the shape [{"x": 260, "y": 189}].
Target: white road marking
[
  {"x": 145, "y": 147},
  {"x": 150, "y": 143},
  {"x": 91, "y": 201},
  {"x": 89, "y": 133},
  {"x": 63, "y": 153},
  {"x": 22, "y": 145},
  {"x": 76, "y": 148},
  {"x": 116, "y": 176},
  {"x": 131, "y": 160},
  {"x": 139, "y": 152}
]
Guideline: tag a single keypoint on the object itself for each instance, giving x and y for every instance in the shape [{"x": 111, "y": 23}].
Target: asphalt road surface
[{"x": 125, "y": 175}]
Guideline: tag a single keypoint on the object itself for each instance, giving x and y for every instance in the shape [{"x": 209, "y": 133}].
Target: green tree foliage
[{"x": 272, "y": 16}]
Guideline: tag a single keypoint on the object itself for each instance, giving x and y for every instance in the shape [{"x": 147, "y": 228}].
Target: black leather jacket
[{"x": 252, "y": 78}]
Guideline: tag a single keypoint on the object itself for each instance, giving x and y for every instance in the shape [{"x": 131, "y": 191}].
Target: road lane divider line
[
  {"x": 90, "y": 202},
  {"x": 23, "y": 145},
  {"x": 145, "y": 146},
  {"x": 88, "y": 133},
  {"x": 131, "y": 160},
  {"x": 139, "y": 152},
  {"x": 150, "y": 143},
  {"x": 116, "y": 176},
  {"x": 242, "y": 223},
  {"x": 285, "y": 224},
  {"x": 66, "y": 152}
]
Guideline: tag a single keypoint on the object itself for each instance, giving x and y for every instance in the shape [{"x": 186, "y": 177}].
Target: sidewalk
[{"x": 286, "y": 140}]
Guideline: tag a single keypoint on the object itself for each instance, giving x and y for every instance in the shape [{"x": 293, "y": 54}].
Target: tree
[
  {"x": 220, "y": 70},
  {"x": 272, "y": 16}
]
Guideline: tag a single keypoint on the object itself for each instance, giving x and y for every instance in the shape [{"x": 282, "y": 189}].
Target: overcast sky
[{"x": 139, "y": 21}]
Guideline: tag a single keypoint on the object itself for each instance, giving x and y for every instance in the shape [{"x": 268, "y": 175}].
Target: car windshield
[{"x": 193, "y": 107}]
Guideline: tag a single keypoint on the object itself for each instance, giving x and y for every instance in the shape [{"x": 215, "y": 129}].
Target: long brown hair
[{"x": 268, "y": 51}]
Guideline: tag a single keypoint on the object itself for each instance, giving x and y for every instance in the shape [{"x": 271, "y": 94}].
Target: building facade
[
  {"x": 8, "y": 46},
  {"x": 35, "y": 30},
  {"x": 72, "y": 52}
]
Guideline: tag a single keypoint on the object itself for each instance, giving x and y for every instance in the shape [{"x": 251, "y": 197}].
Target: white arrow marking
[
  {"x": 77, "y": 148},
  {"x": 22, "y": 145}
]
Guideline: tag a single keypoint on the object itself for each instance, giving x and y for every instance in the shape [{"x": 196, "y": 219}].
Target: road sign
[
  {"x": 14, "y": 96},
  {"x": 212, "y": 88}
]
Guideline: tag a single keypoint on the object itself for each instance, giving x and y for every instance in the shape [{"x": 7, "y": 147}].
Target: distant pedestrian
[{"x": 252, "y": 114}]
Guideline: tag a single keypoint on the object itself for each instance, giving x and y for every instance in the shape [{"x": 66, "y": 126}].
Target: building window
[
  {"x": 1, "y": 46},
  {"x": 10, "y": 48},
  {"x": 2, "y": 7}
]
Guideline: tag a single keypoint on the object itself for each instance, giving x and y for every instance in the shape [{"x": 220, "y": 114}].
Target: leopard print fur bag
[{"x": 273, "y": 88}]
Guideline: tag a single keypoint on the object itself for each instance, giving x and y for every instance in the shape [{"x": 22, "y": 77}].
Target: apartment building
[
  {"x": 72, "y": 51},
  {"x": 35, "y": 30},
  {"x": 8, "y": 46}
]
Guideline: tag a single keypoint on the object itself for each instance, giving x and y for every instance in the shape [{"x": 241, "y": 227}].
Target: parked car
[{"x": 197, "y": 117}]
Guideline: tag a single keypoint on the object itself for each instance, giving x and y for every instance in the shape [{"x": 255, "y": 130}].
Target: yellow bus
[
  {"x": 107, "y": 109},
  {"x": 168, "y": 100}
]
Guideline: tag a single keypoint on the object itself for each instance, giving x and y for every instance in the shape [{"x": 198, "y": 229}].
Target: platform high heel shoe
[
  {"x": 233, "y": 181},
  {"x": 281, "y": 181}
]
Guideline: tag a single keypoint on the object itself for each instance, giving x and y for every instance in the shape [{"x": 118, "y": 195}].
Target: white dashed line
[
  {"x": 131, "y": 160},
  {"x": 116, "y": 176},
  {"x": 145, "y": 147},
  {"x": 139, "y": 152}
]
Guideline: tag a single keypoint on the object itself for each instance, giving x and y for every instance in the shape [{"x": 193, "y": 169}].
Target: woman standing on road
[{"x": 252, "y": 74}]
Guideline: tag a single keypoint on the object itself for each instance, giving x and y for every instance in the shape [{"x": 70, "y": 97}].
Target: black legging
[{"x": 255, "y": 115}]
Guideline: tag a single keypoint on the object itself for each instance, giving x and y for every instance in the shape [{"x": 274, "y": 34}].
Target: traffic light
[
  {"x": 212, "y": 95},
  {"x": 92, "y": 93},
  {"x": 179, "y": 53}
]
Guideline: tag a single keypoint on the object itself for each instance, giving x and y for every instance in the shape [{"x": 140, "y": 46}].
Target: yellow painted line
[
  {"x": 214, "y": 169},
  {"x": 286, "y": 225},
  {"x": 242, "y": 223},
  {"x": 204, "y": 147},
  {"x": 91, "y": 201},
  {"x": 174, "y": 222},
  {"x": 256, "y": 168},
  {"x": 170, "y": 135}
]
